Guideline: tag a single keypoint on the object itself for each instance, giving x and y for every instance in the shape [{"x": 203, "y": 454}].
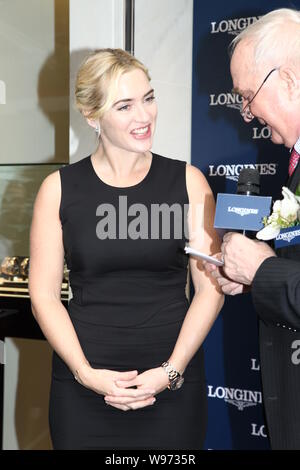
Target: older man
[{"x": 265, "y": 69}]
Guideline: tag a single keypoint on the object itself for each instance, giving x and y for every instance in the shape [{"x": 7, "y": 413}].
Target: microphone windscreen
[{"x": 249, "y": 182}]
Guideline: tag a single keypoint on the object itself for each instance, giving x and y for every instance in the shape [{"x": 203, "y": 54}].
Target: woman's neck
[{"x": 119, "y": 162}]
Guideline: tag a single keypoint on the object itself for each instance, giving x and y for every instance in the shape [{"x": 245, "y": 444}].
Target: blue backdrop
[{"x": 222, "y": 144}]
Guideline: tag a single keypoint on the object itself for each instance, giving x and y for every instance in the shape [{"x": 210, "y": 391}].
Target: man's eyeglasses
[{"x": 246, "y": 111}]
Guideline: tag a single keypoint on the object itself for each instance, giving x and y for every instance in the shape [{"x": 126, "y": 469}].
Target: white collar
[{"x": 297, "y": 146}]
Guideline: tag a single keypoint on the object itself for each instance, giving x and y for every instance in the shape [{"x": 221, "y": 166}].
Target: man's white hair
[{"x": 275, "y": 38}]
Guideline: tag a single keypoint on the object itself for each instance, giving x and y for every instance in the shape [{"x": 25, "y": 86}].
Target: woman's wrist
[
  {"x": 82, "y": 372},
  {"x": 178, "y": 364}
]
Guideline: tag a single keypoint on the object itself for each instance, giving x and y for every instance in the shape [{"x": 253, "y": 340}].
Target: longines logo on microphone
[
  {"x": 232, "y": 26},
  {"x": 232, "y": 172},
  {"x": 242, "y": 211},
  {"x": 236, "y": 396}
]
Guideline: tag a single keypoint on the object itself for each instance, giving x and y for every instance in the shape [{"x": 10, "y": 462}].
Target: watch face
[{"x": 176, "y": 383}]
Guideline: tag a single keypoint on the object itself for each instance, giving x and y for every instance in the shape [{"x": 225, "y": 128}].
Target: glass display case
[{"x": 19, "y": 185}]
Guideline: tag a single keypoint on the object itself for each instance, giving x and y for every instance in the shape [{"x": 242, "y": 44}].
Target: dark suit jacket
[{"x": 276, "y": 297}]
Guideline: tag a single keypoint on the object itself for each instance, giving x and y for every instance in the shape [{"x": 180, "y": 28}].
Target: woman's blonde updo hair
[{"x": 98, "y": 77}]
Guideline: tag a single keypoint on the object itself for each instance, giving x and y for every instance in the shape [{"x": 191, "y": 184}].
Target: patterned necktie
[{"x": 293, "y": 161}]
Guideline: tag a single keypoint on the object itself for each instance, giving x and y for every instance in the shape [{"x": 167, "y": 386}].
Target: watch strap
[{"x": 172, "y": 373}]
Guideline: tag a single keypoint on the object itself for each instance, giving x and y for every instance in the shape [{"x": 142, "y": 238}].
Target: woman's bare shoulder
[
  {"x": 50, "y": 189},
  {"x": 195, "y": 179}
]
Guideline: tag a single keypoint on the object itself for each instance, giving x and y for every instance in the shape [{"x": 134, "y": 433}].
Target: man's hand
[
  {"x": 228, "y": 286},
  {"x": 243, "y": 256}
]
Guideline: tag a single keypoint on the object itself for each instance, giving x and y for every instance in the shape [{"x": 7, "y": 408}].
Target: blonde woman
[{"x": 130, "y": 338}]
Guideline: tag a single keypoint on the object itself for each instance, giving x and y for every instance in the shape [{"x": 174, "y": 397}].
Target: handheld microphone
[
  {"x": 245, "y": 210},
  {"x": 249, "y": 182}
]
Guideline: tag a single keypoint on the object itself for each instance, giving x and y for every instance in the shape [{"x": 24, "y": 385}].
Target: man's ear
[{"x": 291, "y": 82}]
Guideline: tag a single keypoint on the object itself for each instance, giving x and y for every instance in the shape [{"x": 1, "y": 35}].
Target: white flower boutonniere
[{"x": 286, "y": 213}]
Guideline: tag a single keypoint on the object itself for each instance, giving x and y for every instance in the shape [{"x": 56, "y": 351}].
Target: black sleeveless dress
[{"x": 127, "y": 308}]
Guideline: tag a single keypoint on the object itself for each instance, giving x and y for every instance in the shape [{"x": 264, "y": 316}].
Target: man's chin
[{"x": 276, "y": 139}]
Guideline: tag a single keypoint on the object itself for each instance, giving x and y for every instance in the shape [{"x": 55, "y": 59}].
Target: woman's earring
[{"x": 97, "y": 130}]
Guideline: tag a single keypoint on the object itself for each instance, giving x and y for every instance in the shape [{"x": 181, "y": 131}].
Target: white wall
[
  {"x": 163, "y": 41},
  {"x": 93, "y": 24}
]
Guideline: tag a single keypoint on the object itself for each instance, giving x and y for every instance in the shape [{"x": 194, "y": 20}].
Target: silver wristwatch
[{"x": 175, "y": 378}]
